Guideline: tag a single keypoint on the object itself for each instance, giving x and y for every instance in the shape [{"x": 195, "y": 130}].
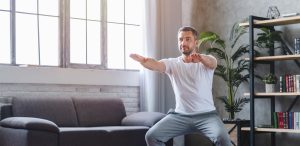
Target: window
[
  {"x": 85, "y": 32},
  {"x": 36, "y": 32},
  {"x": 124, "y": 32},
  {"x": 5, "y": 32},
  {"x": 71, "y": 33}
]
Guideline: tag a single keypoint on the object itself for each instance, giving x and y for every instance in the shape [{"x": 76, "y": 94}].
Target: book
[
  {"x": 275, "y": 120},
  {"x": 290, "y": 83},
  {"x": 285, "y": 120},
  {"x": 290, "y": 120},
  {"x": 294, "y": 83},
  {"x": 280, "y": 120},
  {"x": 287, "y": 83},
  {"x": 296, "y": 126},
  {"x": 298, "y": 120},
  {"x": 297, "y": 83},
  {"x": 283, "y": 84},
  {"x": 295, "y": 120}
]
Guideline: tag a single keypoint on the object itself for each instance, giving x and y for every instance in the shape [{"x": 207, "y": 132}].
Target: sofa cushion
[
  {"x": 142, "y": 119},
  {"x": 96, "y": 111},
  {"x": 127, "y": 135},
  {"x": 83, "y": 136},
  {"x": 59, "y": 110}
]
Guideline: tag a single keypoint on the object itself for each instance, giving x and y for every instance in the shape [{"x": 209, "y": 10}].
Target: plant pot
[{"x": 270, "y": 88}]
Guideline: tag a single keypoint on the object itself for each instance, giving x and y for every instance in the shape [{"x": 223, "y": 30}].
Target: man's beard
[{"x": 187, "y": 52}]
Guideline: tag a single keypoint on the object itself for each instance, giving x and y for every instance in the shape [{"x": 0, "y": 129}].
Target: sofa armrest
[
  {"x": 5, "y": 111},
  {"x": 29, "y": 123},
  {"x": 142, "y": 119}
]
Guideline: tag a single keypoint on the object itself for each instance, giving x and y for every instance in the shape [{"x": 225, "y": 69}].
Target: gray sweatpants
[{"x": 175, "y": 124}]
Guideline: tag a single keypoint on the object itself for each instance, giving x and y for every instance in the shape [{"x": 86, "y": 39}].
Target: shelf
[
  {"x": 275, "y": 94},
  {"x": 272, "y": 130},
  {"x": 275, "y": 22},
  {"x": 276, "y": 58},
  {"x": 259, "y": 22}
]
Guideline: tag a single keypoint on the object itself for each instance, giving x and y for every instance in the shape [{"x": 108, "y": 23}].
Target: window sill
[{"x": 53, "y": 75}]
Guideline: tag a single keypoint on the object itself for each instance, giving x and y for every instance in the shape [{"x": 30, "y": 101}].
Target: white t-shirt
[{"x": 192, "y": 85}]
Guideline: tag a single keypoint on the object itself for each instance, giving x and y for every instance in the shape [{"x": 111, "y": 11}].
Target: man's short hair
[{"x": 189, "y": 28}]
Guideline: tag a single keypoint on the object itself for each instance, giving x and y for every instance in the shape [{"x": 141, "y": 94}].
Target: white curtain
[{"x": 151, "y": 83}]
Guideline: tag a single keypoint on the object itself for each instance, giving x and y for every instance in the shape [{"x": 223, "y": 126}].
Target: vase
[
  {"x": 270, "y": 88},
  {"x": 231, "y": 116}
]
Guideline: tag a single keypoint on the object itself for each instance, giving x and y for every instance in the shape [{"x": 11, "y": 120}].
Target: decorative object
[
  {"x": 273, "y": 12},
  {"x": 231, "y": 67},
  {"x": 270, "y": 88},
  {"x": 270, "y": 80}
]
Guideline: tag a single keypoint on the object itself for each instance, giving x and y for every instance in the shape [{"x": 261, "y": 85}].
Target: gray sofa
[{"x": 32, "y": 121}]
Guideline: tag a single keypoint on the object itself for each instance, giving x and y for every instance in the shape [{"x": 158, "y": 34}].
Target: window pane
[
  {"x": 49, "y": 7},
  {"x": 29, "y": 6},
  {"x": 5, "y": 37},
  {"x": 134, "y": 44},
  {"x": 77, "y": 41},
  {"x": 26, "y": 39},
  {"x": 133, "y": 11},
  {"x": 4, "y": 4},
  {"x": 115, "y": 11},
  {"x": 93, "y": 42},
  {"x": 94, "y": 11},
  {"x": 49, "y": 49},
  {"x": 115, "y": 46},
  {"x": 77, "y": 8}
]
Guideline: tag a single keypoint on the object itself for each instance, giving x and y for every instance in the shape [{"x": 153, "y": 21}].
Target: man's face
[{"x": 186, "y": 42}]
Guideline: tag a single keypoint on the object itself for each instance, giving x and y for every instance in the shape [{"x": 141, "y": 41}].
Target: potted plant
[
  {"x": 267, "y": 38},
  {"x": 270, "y": 80},
  {"x": 231, "y": 67}
]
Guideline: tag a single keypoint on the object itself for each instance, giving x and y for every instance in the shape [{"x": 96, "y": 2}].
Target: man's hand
[
  {"x": 149, "y": 63},
  {"x": 138, "y": 58},
  {"x": 196, "y": 57},
  {"x": 207, "y": 60}
]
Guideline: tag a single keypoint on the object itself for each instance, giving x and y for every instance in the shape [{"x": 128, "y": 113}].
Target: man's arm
[
  {"x": 149, "y": 63},
  {"x": 207, "y": 60}
]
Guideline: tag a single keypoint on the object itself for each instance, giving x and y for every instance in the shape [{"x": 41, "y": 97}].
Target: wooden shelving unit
[
  {"x": 275, "y": 22},
  {"x": 276, "y": 58},
  {"x": 275, "y": 94},
  {"x": 258, "y": 22},
  {"x": 272, "y": 130}
]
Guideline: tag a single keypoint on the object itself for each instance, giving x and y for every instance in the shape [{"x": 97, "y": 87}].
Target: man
[{"x": 191, "y": 75}]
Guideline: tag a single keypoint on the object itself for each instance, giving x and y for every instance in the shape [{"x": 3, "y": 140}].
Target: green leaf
[
  {"x": 232, "y": 68},
  {"x": 218, "y": 53},
  {"x": 242, "y": 50}
]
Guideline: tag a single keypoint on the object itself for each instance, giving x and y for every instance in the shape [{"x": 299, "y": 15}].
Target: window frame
[
  {"x": 13, "y": 36},
  {"x": 66, "y": 60},
  {"x": 64, "y": 38}
]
